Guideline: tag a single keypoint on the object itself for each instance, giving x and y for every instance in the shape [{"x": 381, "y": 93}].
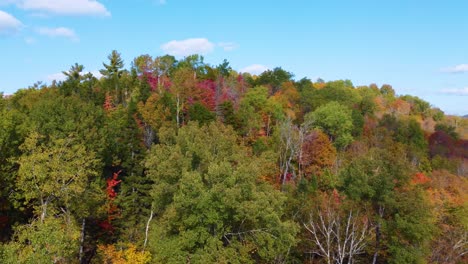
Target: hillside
[{"x": 179, "y": 161}]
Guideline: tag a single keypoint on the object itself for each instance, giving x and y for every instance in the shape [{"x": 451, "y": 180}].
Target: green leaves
[
  {"x": 53, "y": 172},
  {"x": 201, "y": 192},
  {"x": 113, "y": 69},
  {"x": 50, "y": 241},
  {"x": 335, "y": 120},
  {"x": 209, "y": 201}
]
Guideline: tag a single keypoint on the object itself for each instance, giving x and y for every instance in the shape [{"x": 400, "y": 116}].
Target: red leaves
[
  {"x": 442, "y": 144},
  {"x": 106, "y": 225},
  {"x": 205, "y": 94},
  {"x": 151, "y": 80},
  {"x": 112, "y": 209},
  {"x": 420, "y": 179},
  {"x": 336, "y": 197},
  {"x": 288, "y": 177},
  {"x": 111, "y": 183},
  {"x": 108, "y": 103}
]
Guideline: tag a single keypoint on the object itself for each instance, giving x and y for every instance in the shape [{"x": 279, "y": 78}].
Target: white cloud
[
  {"x": 461, "y": 68},
  {"x": 56, "y": 76},
  {"x": 8, "y": 23},
  {"x": 64, "y": 7},
  {"x": 228, "y": 46},
  {"x": 188, "y": 47},
  {"x": 58, "y": 32},
  {"x": 462, "y": 91},
  {"x": 59, "y": 76},
  {"x": 254, "y": 69},
  {"x": 96, "y": 74}
]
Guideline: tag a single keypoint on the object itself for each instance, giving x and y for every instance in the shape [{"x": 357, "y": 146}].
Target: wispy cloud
[
  {"x": 162, "y": 2},
  {"x": 8, "y": 23},
  {"x": 63, "y": 7},
  {"x": 58, "y": 32},
  {"x": 254, "y": 69},
  {"x": 228, "y": 46},
  {"x": 461, "y": 68},
  {"x": 96, "y": 74},
  {"x": 56, "y": 77},
  {"x": 188, "y": 47},
  {"x": 59, "y": 76},
  {"x": 460, "y": 92}
]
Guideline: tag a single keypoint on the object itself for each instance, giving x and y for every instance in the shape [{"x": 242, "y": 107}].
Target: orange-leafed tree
[
  {"x": 400, "y": 106},
  {"x": 449, "y": 196},
  {"x": 109, "y": 254},
  {"x": 318, "y": 153}
]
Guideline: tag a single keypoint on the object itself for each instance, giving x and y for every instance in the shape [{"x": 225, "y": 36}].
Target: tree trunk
[
  {"x": 218, "y": 89},
  {"x": 377, "y": 243},
  {"x": 178, "y": 111},
  {"x": 83, "y": 225},
  {"x": 377, "y": 236},
  {"x": 44, "y": 210},
  {"x": 147, "y": 229}
]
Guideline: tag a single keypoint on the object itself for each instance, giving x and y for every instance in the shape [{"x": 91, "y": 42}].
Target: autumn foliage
[
  {"x": 130, "y": 255},
  {"x": 112, "y": 209},
  {"x": 318, "y": 154},
  {"x": 179, "y": 161}
]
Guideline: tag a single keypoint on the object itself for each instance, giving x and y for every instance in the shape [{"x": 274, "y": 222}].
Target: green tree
[
  {"x": 418, "y": 105},
  {"x": 387, "y": 90},
  {"x": 403, "y": 224},
  {"x": 73, "y": 78},
  {"x": 209, "y": 205},
  {"x": 114, "y": 68},
  {"x": 258, "y": 112},
  {"x": 143, "y": 64},
  {"x": 274, "y": 79},
  {"x": 56, "y": 116},
  {"x": 251, "y": 107},
  {"x": 341, "y": 91},
  {"x": 335, "y": 120},
  {"x": 74, "y": 74},
  {"x": 198, "y": 112},
  {"x": 367, "y": 105},
  {"x": 112, "y": 72},
  {"x": 9, "y": 142},
  {"x": 51, "y": 241},
  {"x": 53, "y": 175},
  {"x": 128, "y": 135}
]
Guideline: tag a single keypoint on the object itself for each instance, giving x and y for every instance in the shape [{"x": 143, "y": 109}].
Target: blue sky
[{"x": 419, "y": 47}]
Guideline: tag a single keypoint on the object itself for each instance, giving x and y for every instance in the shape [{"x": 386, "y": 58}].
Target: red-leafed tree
[
  {"x": 112, "y": 210},
  {"x": 108, "y": 103},
  {"x": 151, "y": 80},
  {"x": 111, "y": 184},
  {"x": 420, "y": 179},
  {"x": 440, "y": 143},
  {"x": 205, "y": 94}
]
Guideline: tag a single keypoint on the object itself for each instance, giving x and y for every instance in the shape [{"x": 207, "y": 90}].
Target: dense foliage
[{"x": 179, "y": 161}]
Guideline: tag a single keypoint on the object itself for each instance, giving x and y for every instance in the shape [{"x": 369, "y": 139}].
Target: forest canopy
[{"x": 180, "y": 161}]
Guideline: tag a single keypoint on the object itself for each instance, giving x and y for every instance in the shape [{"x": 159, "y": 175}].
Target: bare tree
[
  {"x": 338, "y": 237},
  {"x": 450, "y": 247},
  {"x": 289, "y": 148},
  {"x": 292, "y": 139}
]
